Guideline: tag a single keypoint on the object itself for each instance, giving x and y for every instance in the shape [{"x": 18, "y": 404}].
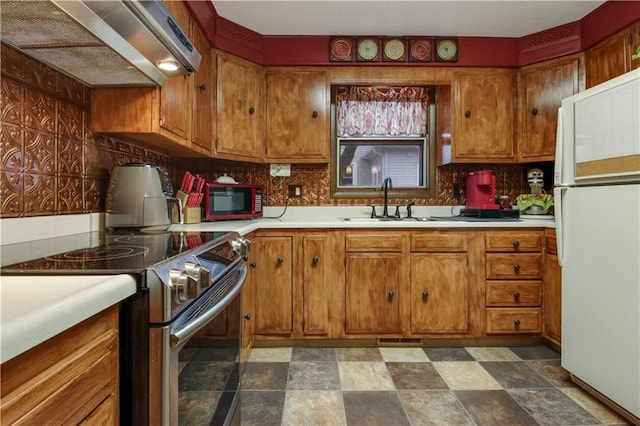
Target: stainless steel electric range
[{"x": 180, "y": 333}]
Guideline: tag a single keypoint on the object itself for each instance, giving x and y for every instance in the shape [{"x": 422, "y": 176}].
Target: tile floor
[{"x": 414, "y": 386}]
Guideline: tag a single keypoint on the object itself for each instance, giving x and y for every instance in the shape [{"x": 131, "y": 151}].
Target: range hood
[{"x": 100, "y": 42}]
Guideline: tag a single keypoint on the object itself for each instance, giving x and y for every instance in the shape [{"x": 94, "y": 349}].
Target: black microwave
[{"x": 232, "y": 201}]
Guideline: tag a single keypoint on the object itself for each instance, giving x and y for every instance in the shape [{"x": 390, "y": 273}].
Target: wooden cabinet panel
[
  {"x": 483, "y": 115},
  {"x": 248, "y": 308},
  {"x": 541, "y": 88},
  {"x": 372, "y": 300},
  {"x": 317, "y": 284},
  {"x": 203, "y": 122},
  {"x": 240, "y": 109},
  {"x": 66, "y": 378},
  {"x": 297, "y": 116},
  {"x": 552, "y": 291},
  {"x": 514, "y": 320},
  {"x": 514, "y": 241},
  {"x": 439, "y": 242},
  {"x": 439, "y": 293},
  {"x": 103, "y": 415},
  {"x": 273, "y": 288},
  {"x": 513, "y": 266},
  {"x": 374, "y": 242},
  {"x": 514, "y": 293},
  {"x": 613, "y": 56}
]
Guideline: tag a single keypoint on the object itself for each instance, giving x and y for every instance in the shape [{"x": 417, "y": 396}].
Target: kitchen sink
[{"x": 382, "y": 219}]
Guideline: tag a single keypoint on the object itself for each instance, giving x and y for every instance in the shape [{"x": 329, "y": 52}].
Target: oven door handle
[{"x": 183, "y": 334}]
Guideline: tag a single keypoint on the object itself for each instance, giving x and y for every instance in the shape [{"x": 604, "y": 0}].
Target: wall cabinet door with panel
[
  {"x": 203, "y": 122},
  {"x": 541, "y": 88},
  {"x": 240, "y": 109},
  {"x": 482, "y": 116},
  {"x": 613, "y": 56},
  {"x": 297, "y": 116}
]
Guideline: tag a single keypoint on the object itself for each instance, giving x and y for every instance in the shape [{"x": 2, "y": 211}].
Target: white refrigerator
[{"x": 597, "y": 214}]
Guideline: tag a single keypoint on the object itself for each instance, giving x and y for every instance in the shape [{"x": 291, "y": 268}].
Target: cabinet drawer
[
  {"x": 514, "y": 266},
  {"x": 513, "y": 241},
  {"x": 514, "y": 293},
  {"x": 374, "y": 242},
  {"x": 514, "y": 320},
  {"x": 439, "y": 243}
]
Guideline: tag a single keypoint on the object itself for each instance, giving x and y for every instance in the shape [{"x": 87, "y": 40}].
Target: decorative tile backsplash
[{"x": 52, "y": 164}]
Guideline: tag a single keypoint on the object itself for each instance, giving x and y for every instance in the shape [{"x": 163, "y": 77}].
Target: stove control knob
[
  {"x": 184, "y": 286},
  {"x": 200, "y": 273}
]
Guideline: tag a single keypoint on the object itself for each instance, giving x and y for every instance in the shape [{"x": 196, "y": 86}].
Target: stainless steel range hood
[{"x": 100, "y": 42}]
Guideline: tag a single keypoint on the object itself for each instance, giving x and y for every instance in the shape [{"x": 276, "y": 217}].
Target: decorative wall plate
[
  {"x": 394, "y": 50},
  {"x": 421, "y": 50},
  {"x": 368, "y": 50},
  {"x": 341, "y": 49},
  {"x": 446, "y": 50}
]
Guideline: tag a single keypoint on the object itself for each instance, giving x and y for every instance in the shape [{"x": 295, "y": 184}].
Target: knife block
[{"x": 192, "y": 214}]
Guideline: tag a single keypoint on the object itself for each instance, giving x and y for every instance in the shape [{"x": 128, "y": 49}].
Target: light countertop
[{"x": 36, "y": 308}]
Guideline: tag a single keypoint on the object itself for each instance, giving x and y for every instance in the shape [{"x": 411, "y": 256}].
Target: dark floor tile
[
  {"x": 370, "y": 408},
  {"x": 552, "y": 407},
  {"x": 197, "y": 407},
  {"x": 448, "y": 354},
  {"x": 313, "y": 354},
  {"x": 197, "y": 376},
  {"x": 433, "y": 407},
  {"x": 553, "y": 372},
  {"x": 515, "y": 374},
  {"x": 415, "y": 375},
  {"x": 493, "y": 407},
  {"x": 358, "y": 354},
  {"x": 313, "y": 376},
  {"x": 535, "y": 352},
  {"x": 261, "y": 408},
  {"x": 265, "y": 376}
]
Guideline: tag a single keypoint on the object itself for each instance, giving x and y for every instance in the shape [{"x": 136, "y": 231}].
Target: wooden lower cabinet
[
  {"x": 316, "y": 284},
  {"x": 71, "y": 378},
  {"x": 552, "y": 291}
]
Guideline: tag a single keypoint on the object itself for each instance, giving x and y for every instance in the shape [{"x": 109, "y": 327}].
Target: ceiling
[{"x": 472, "y": 18}]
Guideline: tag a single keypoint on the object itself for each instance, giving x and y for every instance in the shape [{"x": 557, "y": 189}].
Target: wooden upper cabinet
[
  {"x": 613, "y": 56},
  {"x": 240, "y": 109},
  {"x": 203, "y": 123},
  {"x": 541, "y": 88},
  {"x": 482, "y": 116},
  {"x": 297, "y": 116}
]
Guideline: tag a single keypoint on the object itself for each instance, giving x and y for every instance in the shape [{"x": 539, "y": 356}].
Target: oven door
[{"x": 194, "y": 362}]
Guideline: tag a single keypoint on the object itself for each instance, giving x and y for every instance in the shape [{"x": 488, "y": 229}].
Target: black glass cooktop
[{"x": 100, "y": 252}]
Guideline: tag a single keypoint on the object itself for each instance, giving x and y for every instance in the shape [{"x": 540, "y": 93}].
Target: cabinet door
[
  {"x": 175, "y": 95},
  {"x": 203, "y": 89},
  {"x": 248, "y": 309},
  {"x": 541, "y": 90},
  {"x": 439, "y": 293},
  {"x": 372, "y": 284},
  {"x": 552, "y": 298},
  {"x": 633, "y": 52},
  {"x": 316, "y": 284},
  {"x": 483, "y": 115},
  {"x": 239, "y": 108},
  {"x": 297, "y": 129},
  {"x": 273, "y": 284}
]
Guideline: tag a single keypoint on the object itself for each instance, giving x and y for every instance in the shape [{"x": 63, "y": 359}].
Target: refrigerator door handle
[
  {"x": 559, "y": 169},
  {"x": 557, "y": 211}
]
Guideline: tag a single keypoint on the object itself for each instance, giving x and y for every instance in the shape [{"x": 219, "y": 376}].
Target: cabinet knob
[
  {"x": 314, "y": 114},
  {"x": 247, "y": 317},
  {"x": 252, "y": 110},
  {"x": 516, "y": 267},
  {"x": 425, "y": 295},
  {"x": 516, "y": 244},
  {"x": 516, "y": 295},
  {"x": 315, "y": 260},
  {"x": 202, "y": 87},
  {"x": 253, "y": 264},
  {"x": 534, "y": 111},
  {"x": 280, "y": 260},
  {"x": 467, "y": 114},
  {"x": 391, "y": 294},
  {"x": 516, "y": 322}
]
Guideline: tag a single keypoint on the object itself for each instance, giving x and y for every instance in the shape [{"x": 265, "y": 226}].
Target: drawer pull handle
[
  {"x": 391, "y": 294},
  {"x": 516, "y": 267},
  {"x": 516, "y": 244},
  {"x": 315, "y": 260},
  {"x": 516, "y": 295},
  {"x": 516, "y": 322},
  {"x": 248, "y": 316},
  {"x": 467, "y": 114},
  {"x": 280, "y": 260},
  {"x": 425, "y": 295},
  {"x": 314, "y": 114},
  {"x": 202, "y": 87},
  {"x": 534, "y": 111},
  {"x": 253, "y": 264},
  {"x": 252, "y": 110}
]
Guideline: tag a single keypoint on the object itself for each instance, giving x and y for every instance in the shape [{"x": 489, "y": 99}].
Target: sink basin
[{"x": 382, "y": 219}]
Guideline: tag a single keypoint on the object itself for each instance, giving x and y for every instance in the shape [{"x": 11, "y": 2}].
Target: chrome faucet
[{"x": 386, "y": 185}]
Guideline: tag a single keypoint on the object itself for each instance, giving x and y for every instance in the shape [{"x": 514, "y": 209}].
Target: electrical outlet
[
  {"x": 456, "y": 190},
  {"x": 283, "y": 170},
  {"x": 295, "y": 191}
]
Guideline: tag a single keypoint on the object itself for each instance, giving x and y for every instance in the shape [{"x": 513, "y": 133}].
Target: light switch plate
[{"x": 283, "y": 170}]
